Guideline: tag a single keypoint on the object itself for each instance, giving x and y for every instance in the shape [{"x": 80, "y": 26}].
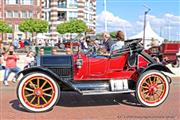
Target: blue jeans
[{"x": 7, "y": 72}]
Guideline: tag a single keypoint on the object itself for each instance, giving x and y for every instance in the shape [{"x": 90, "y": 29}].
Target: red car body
[{"x": 106, "y": 68}]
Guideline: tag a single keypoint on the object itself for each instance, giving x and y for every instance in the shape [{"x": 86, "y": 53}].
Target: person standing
[
  {"x": 15, "y": 44},
  {"x": 41, "y": 51},
  {"x": 11, "y": 64},
  {"x": 29, "y": 59}
]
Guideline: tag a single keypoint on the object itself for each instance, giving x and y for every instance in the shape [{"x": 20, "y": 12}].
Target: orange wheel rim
[
  {"x": 38, "y": 92},
  {"x": 152, "y": 89}
]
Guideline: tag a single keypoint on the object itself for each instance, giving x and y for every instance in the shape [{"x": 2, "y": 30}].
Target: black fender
[
  {"x": 47, "y": 71},
  {"x": 157, "y": 66}
]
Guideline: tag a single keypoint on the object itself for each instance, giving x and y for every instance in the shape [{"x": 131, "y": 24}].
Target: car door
[
  {"x": 98, "y": 67},
  {"x": 117, "y": 63}
]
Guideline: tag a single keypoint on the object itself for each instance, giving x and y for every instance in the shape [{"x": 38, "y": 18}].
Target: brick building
[
  {"x": 58, "y": 11},
  {"x": 15, "y": 11},
  {"x": 53, "y": 11}
]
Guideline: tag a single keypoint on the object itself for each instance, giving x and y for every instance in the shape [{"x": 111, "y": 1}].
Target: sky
[{"x": 128, "y": 16}]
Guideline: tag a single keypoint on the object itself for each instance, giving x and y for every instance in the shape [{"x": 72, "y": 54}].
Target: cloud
[
  {"x": 114, "y": 22},
  {"x": 172, "y": 19},
  {"x": 164, "y": 25},
  {"x": 166, "y": 20}
]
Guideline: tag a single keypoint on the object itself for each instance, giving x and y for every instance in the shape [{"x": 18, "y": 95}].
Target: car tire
[
  {"x": 152, "y": 88},
  {"x": 176, "y": 64},
  {"x": 38, "y": 92}
]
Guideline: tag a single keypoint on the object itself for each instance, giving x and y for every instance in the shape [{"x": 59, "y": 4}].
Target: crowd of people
[{"x": 11, "y": 57}]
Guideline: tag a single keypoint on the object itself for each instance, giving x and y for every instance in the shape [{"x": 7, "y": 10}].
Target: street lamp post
[{"x": 144, "y": 29}]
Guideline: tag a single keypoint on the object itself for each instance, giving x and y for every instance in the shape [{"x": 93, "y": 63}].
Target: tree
[
  {"x": 63, "y": 28},
  {"x": 113, "y": 34},
  {"x": 4, "y": 28},
  {"x": 73, "y": 26},
  {"x": 33, "y": 26}
]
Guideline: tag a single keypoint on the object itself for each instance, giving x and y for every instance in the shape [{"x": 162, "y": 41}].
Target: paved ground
[{"x": 73, "y": 106}]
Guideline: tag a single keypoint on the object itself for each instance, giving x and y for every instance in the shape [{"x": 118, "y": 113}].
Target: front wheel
[
  {"x": 38, "y": 92},
  {"x": 152, "y": 88}
]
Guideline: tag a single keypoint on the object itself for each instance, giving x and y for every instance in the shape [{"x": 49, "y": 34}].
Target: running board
[{"x": 103, "y": 92}]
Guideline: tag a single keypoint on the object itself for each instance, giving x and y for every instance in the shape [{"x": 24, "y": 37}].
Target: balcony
[
  {"x": 62, "y": 4},
  {"x": 62, "y": 16},
  {"x": 73, "y": 5}
]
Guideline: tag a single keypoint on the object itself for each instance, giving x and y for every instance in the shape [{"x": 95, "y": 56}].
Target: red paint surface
[{"x": 105, "y": 68}]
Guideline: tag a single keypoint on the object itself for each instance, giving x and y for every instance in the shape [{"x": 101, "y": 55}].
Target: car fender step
[{"x": 103, "y": 92}]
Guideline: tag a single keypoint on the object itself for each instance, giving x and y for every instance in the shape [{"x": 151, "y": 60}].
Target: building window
[
  {"x": 86, "y": 16},
  {"x": 62, "y": 16},
  {"x": 16, "y": 14},
  {"x": 86, "y": 4},
  {"x": 46, "y": 3},
  {"x": 49, "y": 15},
  {"x": 17, "y": 28},
  {"x": 30, "y": 14},
  {"x": 27, "y": 2},
  {"x": 62, "y": 3},
  {"x": 46, "y": 16},
  {"x": 9, "y": 14},
  {"x": 72, "y": 15},
  {"x": 91, "y": 17},
  {"x": 91, "y": 6},
  {"x": 11, "y": 1},
  {"x": 72, "y": 3},
  {"x": 24, "y": 14}
]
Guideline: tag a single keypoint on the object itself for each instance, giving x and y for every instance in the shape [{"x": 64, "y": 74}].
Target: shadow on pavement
[
  {"x": 73, "y": 99},
  {"x": 17, "y": 106}
]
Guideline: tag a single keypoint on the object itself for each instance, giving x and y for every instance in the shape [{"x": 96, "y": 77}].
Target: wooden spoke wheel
[
  {"x": 152, "y": 88},
  {"x": 38, "y": 92}
]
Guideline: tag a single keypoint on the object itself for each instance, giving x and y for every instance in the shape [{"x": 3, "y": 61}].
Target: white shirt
[
  {"x": 118, "y": 45},
  {"x": 28, "y": 60}
]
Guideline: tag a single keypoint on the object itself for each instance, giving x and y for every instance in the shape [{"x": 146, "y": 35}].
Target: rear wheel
[
  {"x": 176, "y": 64},
  {"x": 152, "y": 88},
  {"x": 38, "y": 92}
]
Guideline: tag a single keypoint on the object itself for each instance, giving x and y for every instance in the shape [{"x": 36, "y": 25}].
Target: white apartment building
[{"x": 58, "y": 11}]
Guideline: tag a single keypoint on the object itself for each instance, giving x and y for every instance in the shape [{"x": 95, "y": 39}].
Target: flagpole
[{"x": 105, "y": 10}]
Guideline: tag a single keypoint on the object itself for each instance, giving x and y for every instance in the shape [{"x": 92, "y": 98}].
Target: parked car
[
  {"x": 166, "y": 53},
  {"x": 69, "y": 43},
  {"x": 128, "y": 70}
]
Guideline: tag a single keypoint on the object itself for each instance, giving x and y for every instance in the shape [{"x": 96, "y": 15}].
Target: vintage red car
[
  {"x": 167, "y": 53},
  {"x": 127, "y": 70}
]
